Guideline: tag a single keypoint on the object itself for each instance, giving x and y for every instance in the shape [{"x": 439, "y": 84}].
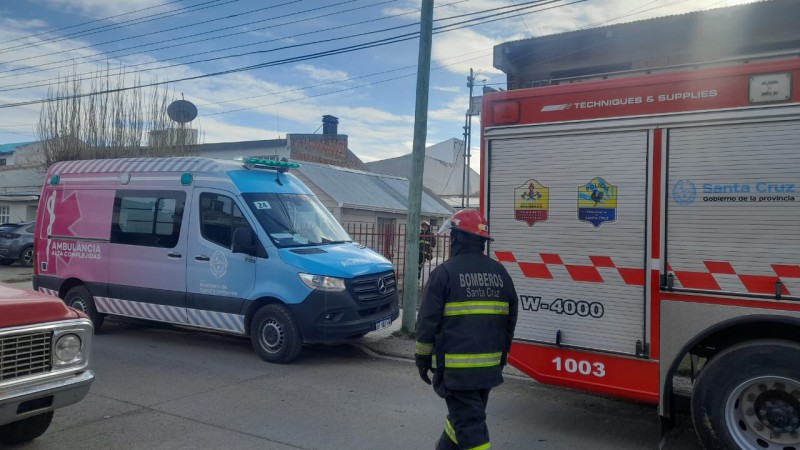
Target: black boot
[{"x": 445, "y": 443}]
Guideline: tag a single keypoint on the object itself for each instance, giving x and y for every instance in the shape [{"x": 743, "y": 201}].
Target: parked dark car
[{"x": 16, "y": 243}]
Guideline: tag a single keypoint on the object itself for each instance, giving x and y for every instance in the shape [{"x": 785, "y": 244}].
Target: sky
[{"x": 289, "y": 62}]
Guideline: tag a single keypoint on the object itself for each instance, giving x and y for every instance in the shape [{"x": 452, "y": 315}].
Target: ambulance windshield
[{"x": 295, "y": 220}]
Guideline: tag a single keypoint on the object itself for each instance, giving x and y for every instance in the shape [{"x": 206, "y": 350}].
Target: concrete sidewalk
[{"x": 390, "y": 343}]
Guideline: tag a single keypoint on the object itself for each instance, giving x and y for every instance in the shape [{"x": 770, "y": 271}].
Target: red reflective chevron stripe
[
  {"x": 584, "y": 273},
  {"x": 632, "y": 276},
  {"x": 602, "y": 261},
  {"x": 550, "y": 258},
  {"x": 760, "y": 284},
  {"x": 719, "y": 267},
  {"x": 697, "y": 280},
  {"x": 535, "y": 270},
  {"x": 702, "y": 280},
  {"x": 505, "y": 257},
  {"x": 786, "y": 271}
]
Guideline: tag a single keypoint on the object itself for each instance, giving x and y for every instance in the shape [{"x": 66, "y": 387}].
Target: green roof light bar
[{"x": 258, "y": 163}]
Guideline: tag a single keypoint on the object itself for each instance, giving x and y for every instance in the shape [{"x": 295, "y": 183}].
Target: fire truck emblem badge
[
  {"x": 597, "y": 202},
  {"x": 531, "y": 202}
]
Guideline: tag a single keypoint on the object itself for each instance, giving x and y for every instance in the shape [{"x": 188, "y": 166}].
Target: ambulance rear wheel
[
  {"x": 81, "y": 299},
  {"x": 748, "y": 397},
  {"x": 275, "y": 334}
]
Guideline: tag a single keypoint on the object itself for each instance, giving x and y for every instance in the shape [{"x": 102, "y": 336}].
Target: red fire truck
[{"x": 652, "y": 222}]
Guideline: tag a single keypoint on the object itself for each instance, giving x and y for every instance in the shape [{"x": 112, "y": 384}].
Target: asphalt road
[{"x": 161, "y": 387}]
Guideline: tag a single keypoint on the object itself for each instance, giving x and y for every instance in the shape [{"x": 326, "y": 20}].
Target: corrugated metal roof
[
  {"x": 355, "y": 188},
  {"x": 9, "y": 148}
]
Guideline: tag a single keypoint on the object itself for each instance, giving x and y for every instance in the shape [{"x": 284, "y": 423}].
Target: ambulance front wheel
[
  {"x": 748, "y": 397},
  {"x": 81, "y": 299},
  {"x": 275, "y": 334}
]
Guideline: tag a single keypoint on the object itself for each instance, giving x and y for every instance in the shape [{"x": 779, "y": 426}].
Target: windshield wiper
[{"x": 329, "y": 241}]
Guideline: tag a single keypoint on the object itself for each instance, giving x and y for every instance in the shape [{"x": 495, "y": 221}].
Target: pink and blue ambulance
[{"x": 237, "y": 247}]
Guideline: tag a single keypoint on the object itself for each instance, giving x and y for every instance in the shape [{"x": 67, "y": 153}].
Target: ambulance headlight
[
  {"x": 68, "y": 349},
  {"x": 322, "y": 283}
]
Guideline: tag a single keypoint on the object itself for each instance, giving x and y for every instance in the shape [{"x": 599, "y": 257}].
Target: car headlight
[
  {"x": 322, "y": 283},
  {"x": 67, "y": 349}
]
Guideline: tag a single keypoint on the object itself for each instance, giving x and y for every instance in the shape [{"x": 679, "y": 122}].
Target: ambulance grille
[
  {"x": 374, "y": 287},
  {"x": 24, "y": 354}
]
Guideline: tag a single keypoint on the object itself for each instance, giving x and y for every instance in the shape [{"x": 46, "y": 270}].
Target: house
[
  {"x": 330, "y": 147},
  {"x": 360, "y": 197},
  {"x": 20, "y": 182},
  {"x": 328, "y": 166},
  {"x": 337, "y": 176},
  {"x": 443, "y": 174}
]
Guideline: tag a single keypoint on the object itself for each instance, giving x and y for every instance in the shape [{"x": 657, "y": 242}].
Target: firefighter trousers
[{"x": 465, "y": 426}]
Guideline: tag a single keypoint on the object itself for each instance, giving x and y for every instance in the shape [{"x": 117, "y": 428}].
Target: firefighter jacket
[
  {"x": 427, "y": 241},
  {"x": 466, "y": 321}
]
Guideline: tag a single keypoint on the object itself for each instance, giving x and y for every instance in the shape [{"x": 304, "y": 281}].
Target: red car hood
[{"x": 20, "y": 307}]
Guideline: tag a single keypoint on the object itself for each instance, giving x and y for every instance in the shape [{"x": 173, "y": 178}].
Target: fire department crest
[
  {"x": 597, "y": 202},
  {"x": 531, "y": 202}
]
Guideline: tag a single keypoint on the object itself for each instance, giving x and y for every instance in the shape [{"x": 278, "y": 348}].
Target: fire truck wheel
[
  {"x": 26, "y": 429},
  {"x": 81, "y": 299},
  {"x": 275, "y": 334},
  {"x": 748, "y": 397}
]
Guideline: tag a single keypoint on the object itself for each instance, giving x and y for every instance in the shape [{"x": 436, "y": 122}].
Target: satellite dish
[{"x": 182, "y": 111}]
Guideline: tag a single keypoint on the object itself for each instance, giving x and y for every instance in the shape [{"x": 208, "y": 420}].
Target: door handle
[
  {"x": 174, "y": 255},
  {"x": 202, "y": 258}
]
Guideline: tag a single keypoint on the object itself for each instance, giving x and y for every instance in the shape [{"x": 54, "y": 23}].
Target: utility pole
[
  {"x": 468, "y": 135},
  {"x": 411, "y": 278}
]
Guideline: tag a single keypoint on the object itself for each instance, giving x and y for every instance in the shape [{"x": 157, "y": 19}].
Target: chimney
[{"x": 329, "y": 125}]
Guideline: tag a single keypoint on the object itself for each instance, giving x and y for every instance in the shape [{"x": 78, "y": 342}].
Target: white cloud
[
  {"x": 106, "y": 8},
  {"x": 320, "y": 74}
]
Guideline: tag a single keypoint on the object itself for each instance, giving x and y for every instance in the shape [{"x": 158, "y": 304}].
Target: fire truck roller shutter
[
  {"x": 733, "y": 208},
  {"x": 568, "y": 213}
]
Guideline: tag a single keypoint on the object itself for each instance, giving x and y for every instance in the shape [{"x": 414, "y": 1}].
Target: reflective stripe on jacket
[{"x": 466, "y": 320}]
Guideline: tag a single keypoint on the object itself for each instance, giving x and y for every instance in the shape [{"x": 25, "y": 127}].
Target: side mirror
[{"x": 244, "y": 241}]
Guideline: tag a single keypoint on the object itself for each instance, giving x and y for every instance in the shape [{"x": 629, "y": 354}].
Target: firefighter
[
  {"x": 427, "y": 242},
  {"x": 464, "y": 330}
]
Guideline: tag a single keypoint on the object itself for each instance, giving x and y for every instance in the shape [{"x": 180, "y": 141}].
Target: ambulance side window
[
  {"x": 147, "y": 218},
  {"x": 219, "y": 216}
]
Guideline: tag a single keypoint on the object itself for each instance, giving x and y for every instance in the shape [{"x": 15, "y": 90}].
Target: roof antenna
[{"x": 279, "y": 172}]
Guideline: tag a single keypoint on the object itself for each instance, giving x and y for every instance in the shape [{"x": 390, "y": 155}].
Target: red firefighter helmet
[{"x": 469, "y": 221}]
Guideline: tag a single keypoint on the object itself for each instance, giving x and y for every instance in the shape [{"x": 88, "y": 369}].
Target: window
[
  {"x": 148, "y": 218},
  {"x": 293, "y": 220},
  {"x": 3, "y": 161},
  {"x": 5, "y": 214},
  {"x": 219, "y": 216}
]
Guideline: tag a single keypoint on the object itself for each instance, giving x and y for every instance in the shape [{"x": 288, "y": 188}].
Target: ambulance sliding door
[
  {"x": 733, "y": 208},
  {"x": 569, "y": 216}
]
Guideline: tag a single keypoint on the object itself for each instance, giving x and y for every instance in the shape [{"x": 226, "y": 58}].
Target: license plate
[{"x": 382, "y": 323}]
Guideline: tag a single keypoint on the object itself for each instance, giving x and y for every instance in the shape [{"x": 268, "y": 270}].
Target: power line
[
  {"x": 197, "y": 41},
  {"x": 163, "y": 31},
  {"x": 92, "y": 21},
  {"x": 404, "y": 37},
  {"x": 104, "y": 28},
  {"x": 364, "y": 76}
]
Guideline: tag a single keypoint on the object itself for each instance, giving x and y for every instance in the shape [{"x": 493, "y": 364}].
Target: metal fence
[{"x": 390, "y": 241}]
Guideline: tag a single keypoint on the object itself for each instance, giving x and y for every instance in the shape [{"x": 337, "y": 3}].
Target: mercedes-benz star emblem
[{"x": 381, "y": 286}]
